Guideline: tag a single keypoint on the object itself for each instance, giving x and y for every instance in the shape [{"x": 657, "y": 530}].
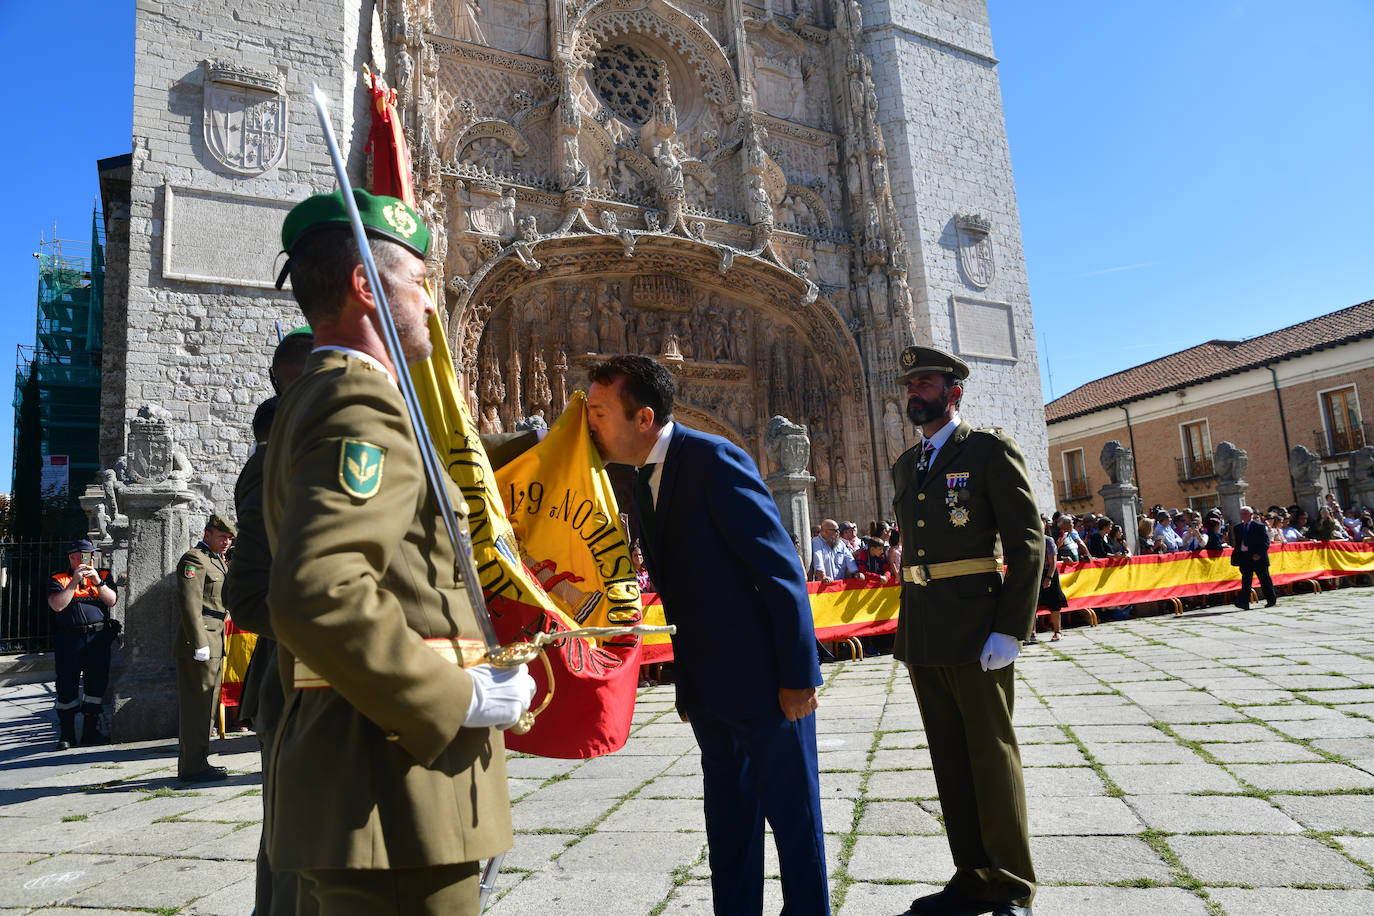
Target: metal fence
[{"x": 25, "y": 618}]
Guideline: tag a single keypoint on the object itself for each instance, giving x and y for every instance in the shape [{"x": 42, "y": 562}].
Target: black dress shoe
[
  {"x": 1010, "y": 909},
  {"x": 206, "y": 774},
  {"x": 948, "y": 902},
  {"x": 1271, "y": 603},
  {"x": 1243, "y": 607}
]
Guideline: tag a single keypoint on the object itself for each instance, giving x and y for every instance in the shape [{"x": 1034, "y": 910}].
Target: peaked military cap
[
  {"x": 928, "y": 360},
  {"x": 220, "y": 523},
  {"x": 382, "y": 217}
]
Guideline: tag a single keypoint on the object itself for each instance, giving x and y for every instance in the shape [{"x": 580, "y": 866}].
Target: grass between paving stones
[
  {"x": 680, "y": 876},
  {"x": 1112, "y": 789},
  {"x": 74, "y": 817},
  {"x": 581, "y": 833},
  {"x": 166, "y": 792},
  {"x": 843, "y": 880}
]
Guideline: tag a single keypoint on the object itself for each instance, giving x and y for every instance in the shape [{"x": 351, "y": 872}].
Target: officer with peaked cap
[
  {"x": 965, "y": 506},
  {"x": 389, "y": 764},
  {"x": 199, "y": 648}
]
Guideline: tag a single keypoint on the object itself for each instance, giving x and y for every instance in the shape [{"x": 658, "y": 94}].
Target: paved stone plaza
[{"x": 1219, "y": 763}]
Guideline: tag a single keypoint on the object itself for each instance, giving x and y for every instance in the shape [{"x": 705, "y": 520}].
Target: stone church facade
[{"x": 773, "y": 199}]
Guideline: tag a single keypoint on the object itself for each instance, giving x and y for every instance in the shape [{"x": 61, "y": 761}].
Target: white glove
[
  {"x": 499, "y": 696},
  {"x": 999, "y": 651},
  {"x": 202, "y": 654}
]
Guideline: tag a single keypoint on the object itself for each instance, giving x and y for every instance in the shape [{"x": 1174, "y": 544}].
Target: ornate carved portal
[
  {"x": 696, "y": 181},
  {"x": 740, "y": 347}
]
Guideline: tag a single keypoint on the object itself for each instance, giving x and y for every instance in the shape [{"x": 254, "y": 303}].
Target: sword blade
[{"x": 434, "y": 469}]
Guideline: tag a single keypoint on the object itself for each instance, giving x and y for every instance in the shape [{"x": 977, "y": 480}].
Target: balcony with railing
[
  {"x": 1074, "y": 488},
  {"x": 1335, "y": 442},
  {"x": 1192, "y": 470}
]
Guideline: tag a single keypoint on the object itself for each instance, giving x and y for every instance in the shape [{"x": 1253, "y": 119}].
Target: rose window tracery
[{"x": 627, "y": 80}]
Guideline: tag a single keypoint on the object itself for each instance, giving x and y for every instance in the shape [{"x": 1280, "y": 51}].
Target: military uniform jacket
[
  {"x": 976, "y": 501},
  {"x": 245, "y": 592},
  {"x": 376, "y": 770},
  {"x": 200, "y": 580}
]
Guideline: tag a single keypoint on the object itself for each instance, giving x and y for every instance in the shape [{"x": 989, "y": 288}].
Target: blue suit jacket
[{"x": 730, "y": 579}]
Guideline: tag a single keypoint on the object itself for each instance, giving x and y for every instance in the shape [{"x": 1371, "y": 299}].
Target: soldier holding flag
[{"x": 389, "y": 766}]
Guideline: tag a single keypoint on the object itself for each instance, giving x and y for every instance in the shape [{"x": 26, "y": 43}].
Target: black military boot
[
  {"x": 90, "y": 725},
  {"x": 66, "y": 719}
]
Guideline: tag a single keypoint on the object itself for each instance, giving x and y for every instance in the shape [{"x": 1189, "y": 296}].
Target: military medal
[{"x": 956, "y": 481}]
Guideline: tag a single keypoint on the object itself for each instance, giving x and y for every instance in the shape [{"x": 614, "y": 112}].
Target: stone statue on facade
[
  {"x": 787, "y": 446},
  {"x": 893, "y": 430},
  {"x": 1305, "y": 467},
  {"x": 1230, "y": 465},
  {"x": 581, "y": 330},
  {"x": 1119, "y": 463},
  {"x": 1362, "y": 476}
]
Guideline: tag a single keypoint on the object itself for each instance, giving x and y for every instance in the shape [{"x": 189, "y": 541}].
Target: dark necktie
[
  {"x": 644, "y": 503},
  {"x": 923, "y": 463}
]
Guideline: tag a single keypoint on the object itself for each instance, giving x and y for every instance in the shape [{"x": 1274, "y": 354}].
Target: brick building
[{"x": 1300, "y": 385}]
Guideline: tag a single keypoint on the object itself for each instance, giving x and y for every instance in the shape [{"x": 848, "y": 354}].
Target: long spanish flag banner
[{"x": 853, "y": 608}]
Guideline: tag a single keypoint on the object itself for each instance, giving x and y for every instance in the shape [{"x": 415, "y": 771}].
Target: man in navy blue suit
[
  {"x": 728, "y": 575},
  {"x": 1252, "y": 556}
]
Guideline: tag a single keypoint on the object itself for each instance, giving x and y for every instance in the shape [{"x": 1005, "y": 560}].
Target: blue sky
[{"x": 1184, "y": 171}]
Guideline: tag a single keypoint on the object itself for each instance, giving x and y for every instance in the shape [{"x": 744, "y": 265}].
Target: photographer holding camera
[{"x": 82, "y": 597}]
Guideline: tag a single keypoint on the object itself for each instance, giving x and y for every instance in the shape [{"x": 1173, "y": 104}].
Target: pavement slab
[
  {"x": 1265, "y": 861},
  {"x": 1243, "y": 742},
  {"x": 1211, "y": 814}
]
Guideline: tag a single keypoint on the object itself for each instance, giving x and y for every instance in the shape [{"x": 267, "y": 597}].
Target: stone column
[
  {"x": 158, "y": 504},
  {"x": 1120, "y": 500},
  {"x": 1361, "y": 477},
  {"x": 1305, "y": 467},
  {"x": 1121, "y": 496},
  {"x": 1230, "y": 463},
  {"x": 789, "y": 449}
]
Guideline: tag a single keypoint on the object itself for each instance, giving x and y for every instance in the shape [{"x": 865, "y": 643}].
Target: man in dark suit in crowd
[
  {"x": 728, "y": 575},
  {"x": 965, "y": 504},
  {"x": 1252, "y": 556}
]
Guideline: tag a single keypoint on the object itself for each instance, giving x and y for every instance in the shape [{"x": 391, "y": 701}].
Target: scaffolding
[{"x": 61, "y": 370}]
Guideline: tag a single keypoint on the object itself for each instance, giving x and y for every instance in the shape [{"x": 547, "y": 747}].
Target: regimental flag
[{"x": 584, "y": 562}]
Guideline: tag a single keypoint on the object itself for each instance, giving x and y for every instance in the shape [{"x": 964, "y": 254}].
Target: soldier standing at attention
[
  {"x": 389, "y": 779},
  {"x": 245, "y": 592},
  {"x": 964, "y": 504},
  {"x": 200, "y": 648}
]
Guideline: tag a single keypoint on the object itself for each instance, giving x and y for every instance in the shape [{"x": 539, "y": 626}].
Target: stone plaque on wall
[
  {"x": 984, "y": 328},
  {"x": 214, "y": 237}
]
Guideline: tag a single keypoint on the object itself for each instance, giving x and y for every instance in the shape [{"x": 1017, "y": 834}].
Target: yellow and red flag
[{"x": 568, "y": 566}]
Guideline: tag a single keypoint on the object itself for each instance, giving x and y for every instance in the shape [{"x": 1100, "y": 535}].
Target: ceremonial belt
[
  {"x": 211, "y": 612},
  {"x": 922, "y": 575},
  {"x": 474, "y": 652}
]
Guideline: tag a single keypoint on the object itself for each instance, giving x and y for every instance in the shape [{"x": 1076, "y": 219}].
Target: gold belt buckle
[{"x": 920, "y": 575}]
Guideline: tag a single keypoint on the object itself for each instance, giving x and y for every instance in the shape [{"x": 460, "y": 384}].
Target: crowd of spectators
[
  {"x": 838, "y": 552},
  {"x": 1092, "y": 536}
]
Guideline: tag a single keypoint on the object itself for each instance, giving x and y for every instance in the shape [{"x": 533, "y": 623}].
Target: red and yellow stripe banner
[{"x": 857, "y": 608}]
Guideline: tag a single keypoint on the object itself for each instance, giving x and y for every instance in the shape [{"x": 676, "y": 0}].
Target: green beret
[
  {"x": 383, "y": 217},
  {"x": 220, "y": 523},
  {"x": 929, "y": 361}
]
